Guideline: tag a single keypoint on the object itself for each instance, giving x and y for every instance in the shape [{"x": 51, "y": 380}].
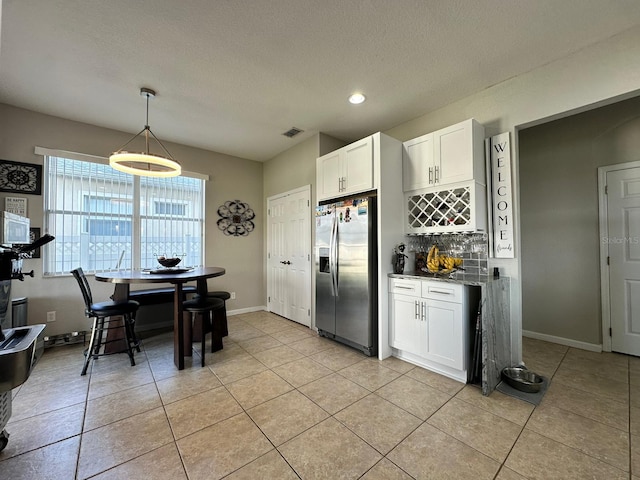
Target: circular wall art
[{"x": 236, "y": 218}]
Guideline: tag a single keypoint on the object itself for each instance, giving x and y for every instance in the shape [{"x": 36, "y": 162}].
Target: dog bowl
[{"x": 522, "y": 379}]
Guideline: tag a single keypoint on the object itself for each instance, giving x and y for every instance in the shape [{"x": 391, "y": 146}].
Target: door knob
[{"x": 285, "y": 262}]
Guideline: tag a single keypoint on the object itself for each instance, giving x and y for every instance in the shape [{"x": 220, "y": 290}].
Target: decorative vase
[{"x": 398, "y": 265}]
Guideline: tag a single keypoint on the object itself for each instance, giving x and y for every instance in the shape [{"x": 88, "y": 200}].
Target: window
[
  {"x": 166, "y": 208},
  {"x": 105, "y": 219}
]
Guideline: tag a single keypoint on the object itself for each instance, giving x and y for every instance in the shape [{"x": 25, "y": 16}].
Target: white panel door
[
  {"x": 298, "y": 277},
  {"x": 623, "y": 221},
  {"x": 289, "y": 256},
  {"x": 277, "y": 256}
]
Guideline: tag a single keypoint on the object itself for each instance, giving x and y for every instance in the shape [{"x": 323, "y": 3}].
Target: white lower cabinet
[
  {"x": 444, "y": 333},
  {"x": 408, "y": 330},
  {"x": 429, "y": 325}
]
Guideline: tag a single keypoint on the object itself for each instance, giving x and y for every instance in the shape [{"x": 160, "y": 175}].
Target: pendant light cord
[{"x": 146, "y": 126}]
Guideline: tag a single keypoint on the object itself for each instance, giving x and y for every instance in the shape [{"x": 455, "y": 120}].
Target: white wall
[
  {"x": 230, "y": 178},
  {"x": 593, "y": 76}
]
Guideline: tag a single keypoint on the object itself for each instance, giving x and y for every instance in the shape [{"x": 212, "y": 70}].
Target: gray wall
[
  {"x": 559, "y": 216},
  {"x": 230, "y": 178},
  {"x": 296, "y": 166}
]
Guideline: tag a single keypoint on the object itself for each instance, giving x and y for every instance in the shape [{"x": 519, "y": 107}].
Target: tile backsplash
[{"x": 472, "y": 247}]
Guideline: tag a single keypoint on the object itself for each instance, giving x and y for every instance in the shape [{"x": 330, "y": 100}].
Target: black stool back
[{"x": 101, "y": 310}]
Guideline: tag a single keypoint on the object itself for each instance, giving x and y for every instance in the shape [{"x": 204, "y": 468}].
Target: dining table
[{"x": 175, "y": 276}]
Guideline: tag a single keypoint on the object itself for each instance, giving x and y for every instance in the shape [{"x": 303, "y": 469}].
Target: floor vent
[{"x": 292, "y": 132}]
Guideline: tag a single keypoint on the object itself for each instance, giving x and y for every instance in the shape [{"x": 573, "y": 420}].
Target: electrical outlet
[
  {"x": 51, "y": 316},
  {"x": 233, "y": 295}
]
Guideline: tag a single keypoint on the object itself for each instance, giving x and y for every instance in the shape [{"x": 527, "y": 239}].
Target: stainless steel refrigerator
[{"x": 346, "y": 273}]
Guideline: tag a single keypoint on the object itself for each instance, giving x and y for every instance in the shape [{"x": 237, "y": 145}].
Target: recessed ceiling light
[{"x": 357, "y": 98}]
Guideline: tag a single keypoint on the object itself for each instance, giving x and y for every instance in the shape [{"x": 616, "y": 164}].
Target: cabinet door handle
[
  {"x": 417, "y": 309},
  {"x": 436, "y": 169},
  {"x": 443, "y": 292},
  {"x": 403, "y": 287},
  {"x": 344, "y": 183},
  {"x": 424, "y": 312},
  {"x": 430, "y": 175}
]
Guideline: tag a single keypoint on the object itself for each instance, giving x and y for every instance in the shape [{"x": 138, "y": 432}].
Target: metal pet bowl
[
  {"x": 169, "y": 262},
  {"x": 522, "y": 379}
]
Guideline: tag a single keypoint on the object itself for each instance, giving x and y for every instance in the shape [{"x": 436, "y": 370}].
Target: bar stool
[
  {"x": 223, "y": 296},
  {"x": 206, "y": 313},
  {"x": 101, "y": 310}
]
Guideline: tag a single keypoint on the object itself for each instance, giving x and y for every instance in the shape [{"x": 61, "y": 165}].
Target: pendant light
[{"x": 145, "y": 164}]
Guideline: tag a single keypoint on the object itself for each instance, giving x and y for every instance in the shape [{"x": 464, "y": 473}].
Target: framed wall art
[
  {"x": 17, "y": 205},
  {"x": 17, "y": 177}
]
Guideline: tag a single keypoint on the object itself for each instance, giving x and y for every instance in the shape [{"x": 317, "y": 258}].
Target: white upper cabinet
[
  {"x": 453, "y": 154},
  {"x": 417, "y": 163},
  {"x": 346, "y": 171}
]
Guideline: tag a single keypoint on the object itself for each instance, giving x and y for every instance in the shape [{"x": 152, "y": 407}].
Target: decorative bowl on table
[{"x": 168, "y": 262}]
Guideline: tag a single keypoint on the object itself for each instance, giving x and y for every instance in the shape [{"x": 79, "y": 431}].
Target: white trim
[
  {"x": 592, "y": 347},
  {"x": 605, "y": 299},
  {"x": 311, "y": 278},
  {"x": 304, "y": 188},
  {"x": 240, "y": 311},
  {"x": 53, "y": 152}
]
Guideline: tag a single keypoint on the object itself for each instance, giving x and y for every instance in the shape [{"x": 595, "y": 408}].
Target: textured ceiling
[{"x": 233, "y": 75}]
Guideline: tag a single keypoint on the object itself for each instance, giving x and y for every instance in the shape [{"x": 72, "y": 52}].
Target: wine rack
[{"x": 460, "y": 208}]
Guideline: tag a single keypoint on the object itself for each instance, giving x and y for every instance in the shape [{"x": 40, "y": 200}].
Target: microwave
[{"x": 14, "y": 229}]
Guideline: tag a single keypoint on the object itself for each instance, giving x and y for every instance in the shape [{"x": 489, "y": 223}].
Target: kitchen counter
[
  {"x": 459, "y": 277},
  {"x": 496, "y": 319}
]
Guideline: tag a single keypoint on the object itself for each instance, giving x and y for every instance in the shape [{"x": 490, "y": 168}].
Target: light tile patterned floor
[{"x": 281, "y": 403}]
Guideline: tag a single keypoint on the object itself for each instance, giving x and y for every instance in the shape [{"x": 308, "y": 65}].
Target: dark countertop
[{"x": 455, "y": 277}]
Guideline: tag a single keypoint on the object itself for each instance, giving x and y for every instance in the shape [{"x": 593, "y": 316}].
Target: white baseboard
[
  {"x": 592, "y": 347},
  {"x": 240, "y": 311}
]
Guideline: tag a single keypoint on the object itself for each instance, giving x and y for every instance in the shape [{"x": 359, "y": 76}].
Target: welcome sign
[{"x": 503, "y": 245}]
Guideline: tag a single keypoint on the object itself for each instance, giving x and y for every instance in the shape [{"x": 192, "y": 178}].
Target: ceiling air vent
[{"x": 292, "y": 132}]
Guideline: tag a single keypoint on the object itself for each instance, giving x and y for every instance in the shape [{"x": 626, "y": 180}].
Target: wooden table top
[{"x": 171, "y": 276}]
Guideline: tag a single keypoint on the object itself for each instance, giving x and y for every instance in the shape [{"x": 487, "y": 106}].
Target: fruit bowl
[{"x": 169, "y": 262}]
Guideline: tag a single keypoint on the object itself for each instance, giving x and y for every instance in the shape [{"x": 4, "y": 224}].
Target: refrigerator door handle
[
  {"x": 334, "y": 252},
  {"x": 332, "y": 263}
]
